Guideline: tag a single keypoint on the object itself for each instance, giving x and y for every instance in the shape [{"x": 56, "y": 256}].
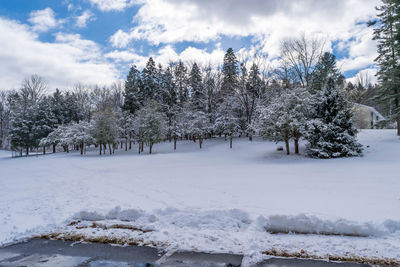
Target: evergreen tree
[
  {"x": 133, "y": 85},
  {"x": 21, "y": 127},
  {"x": 331, "y": 132},
  {"x": 230, "y": 72},
  {"x": 324, "y": 70},
  {"x": 387, "y": 34},
  {"x": 198, "y": 97},
  {"x": 181, "y": 82},
  {"x": 45, "y": 121},
  {"x": 149, "y": 79}
]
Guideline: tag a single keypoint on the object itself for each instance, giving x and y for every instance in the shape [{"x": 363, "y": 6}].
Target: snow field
[{"x": 214, "y": 199}]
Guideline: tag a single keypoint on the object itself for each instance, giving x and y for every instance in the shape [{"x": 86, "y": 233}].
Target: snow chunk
[
  {"x": 88, "y": 216},
  {"x": 306, "y": 224}
]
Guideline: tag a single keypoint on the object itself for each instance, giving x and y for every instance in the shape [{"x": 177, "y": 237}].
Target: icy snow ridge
[{"x": 229, "y": 219}]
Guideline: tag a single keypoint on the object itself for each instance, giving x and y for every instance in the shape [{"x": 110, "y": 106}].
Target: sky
[{"x": 97, "y": 41}]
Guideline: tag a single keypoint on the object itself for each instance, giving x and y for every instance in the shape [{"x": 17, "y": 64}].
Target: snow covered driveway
[{"x": 215, "y": 199}]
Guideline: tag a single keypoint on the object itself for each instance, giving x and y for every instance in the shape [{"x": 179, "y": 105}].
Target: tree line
[{"x": 306, "y": 97}]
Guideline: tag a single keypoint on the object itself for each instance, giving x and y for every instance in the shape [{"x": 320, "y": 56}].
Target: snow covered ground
[{"x": 216, "y": 199}]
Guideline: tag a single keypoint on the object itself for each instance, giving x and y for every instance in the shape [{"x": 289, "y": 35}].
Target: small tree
[
  {"x": 80, "y": 134},
  {"x": 151, "y": 125},
  {"x": 285, "y": 117},
  {"x": 331, "y": 133},
  {"x": 106, "y": 129},
  {"x": 227, "y": 121},
  {"x": 198, "y": 125}
]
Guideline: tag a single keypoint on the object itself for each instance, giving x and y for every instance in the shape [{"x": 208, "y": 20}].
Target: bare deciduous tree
[
  {"x": 33, "y": 88},
  {"x": 301, "y": 55}
]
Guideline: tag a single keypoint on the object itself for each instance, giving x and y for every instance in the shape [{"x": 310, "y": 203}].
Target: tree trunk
[
  {"x": 200, "y": 142},
  {"x": 104, "y": 148},
  {"x": 225, "y": 137},
  {"x": 194, "y": 139},
  {"x": 27, "y": 150},
  {"x": 126, "y": 145},
  {"x": 287, "y": 146},
  {"x": 130, "y": 144},
  {"x": 142, "y": 146},
  {"x": 109, "y": 148},
  {"x": 139, "y": 147},
  {"x": 54, "y": 148},
  {"x": 175, "y": 143},
  {"x": 81, "y": 148},
  {"x": 230, "y": 141},
  {"x": 100, "y": 149},
  {"x": 44, "y": 150},
  {"x": 296, "y": 146},
  {"x": 398, "y": 126},
  {"x": 150, "y": 147}
]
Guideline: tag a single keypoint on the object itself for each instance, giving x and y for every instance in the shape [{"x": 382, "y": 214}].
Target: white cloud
[
  {"x": 168, "y": 55},
  {"x": 110, "y": 5},
  {"x": 169, "y": 21},
  {"x": 69, "y": 60},
  {"x": 366, "y": 74},
  {"x": 269, "y": 22},
  {"x": 43, "y": 20},
  {"x": 361, "y": 50},
  {"x": 84, "y": 18}
]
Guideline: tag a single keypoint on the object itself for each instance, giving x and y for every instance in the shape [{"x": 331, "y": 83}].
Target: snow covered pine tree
[{"x": 331, "y": 133}]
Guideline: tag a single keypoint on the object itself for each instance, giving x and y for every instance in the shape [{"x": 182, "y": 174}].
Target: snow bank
[
  {"x": 308, "y": 224},
  {"x": 231, "y": 219}
]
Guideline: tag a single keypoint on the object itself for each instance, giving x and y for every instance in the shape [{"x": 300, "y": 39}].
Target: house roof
[{"x": 372, "y": 109}]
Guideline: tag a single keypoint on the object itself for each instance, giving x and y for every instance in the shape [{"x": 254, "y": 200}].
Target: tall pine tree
[
  {"x": 133, "y": 85},
  {"x": 230, "y": 72},
  {"x": 387, "y": 34}
]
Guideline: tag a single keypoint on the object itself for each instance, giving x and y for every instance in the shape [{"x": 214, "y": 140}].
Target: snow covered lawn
[{"x": 214, "y": 199}]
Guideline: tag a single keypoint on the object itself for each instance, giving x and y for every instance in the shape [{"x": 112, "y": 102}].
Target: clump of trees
[{"x": 305, "y": 98}]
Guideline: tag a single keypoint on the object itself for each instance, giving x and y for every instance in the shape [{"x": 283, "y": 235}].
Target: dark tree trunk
[
  {"x": 126, "y": 145},
  {"x": 27, "y": 150},
  {"x": 287, "y": 146},
  {"x": 250, "y": 137},
  {"x": 54, "y": 148},
  {"x": 100, "y": 149},
  {"x": 150, "y": 147},
  {"x": 81, "y": 148},
  {"x": 296, "y": 146},
  {"x": 398, "y": 126},
  {"x": 175, "y": 143},
  {"x": 230, "y": 141},
  {"x": 104, "y": 148},
  {"x": 109, "y": 148},
  {"x": 200, "y": 142},
  {"x": 44, "y": 150}
]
